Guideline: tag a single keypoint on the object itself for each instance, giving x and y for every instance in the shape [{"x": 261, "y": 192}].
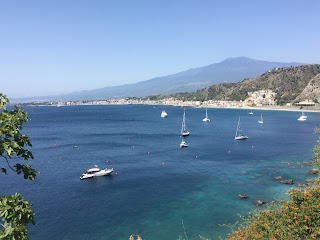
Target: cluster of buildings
[
  {"x": 261, "y": 98},
  {"x": 254, "y": 99}
]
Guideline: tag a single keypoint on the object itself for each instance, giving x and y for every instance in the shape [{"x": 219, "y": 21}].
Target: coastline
[
  {"x": 277, "y": 108},
  {"x": 179, "y": 103}
]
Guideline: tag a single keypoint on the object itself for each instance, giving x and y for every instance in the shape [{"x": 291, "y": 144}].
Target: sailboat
[
  {"x": 183, "y": 143},
  {"x": 206, "y": 119},
  {"x": 184, "y": 131},
  {"x": 251, "y": 112},
  {"x": 260, "y": 120},
  {"x": 238, "y": 135},
  {"x": 302, "y": 117}
]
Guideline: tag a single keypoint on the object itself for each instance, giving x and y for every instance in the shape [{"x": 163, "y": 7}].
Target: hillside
[
  {"x": 290, "y": 84},
  {"x": 229, "y": 70},
  {"x": 312, "y": 90}
]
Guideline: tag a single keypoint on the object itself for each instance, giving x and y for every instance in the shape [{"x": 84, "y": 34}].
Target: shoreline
[
  {"x": 178, "y": 103},
  {"x": 273, "y": 108}
]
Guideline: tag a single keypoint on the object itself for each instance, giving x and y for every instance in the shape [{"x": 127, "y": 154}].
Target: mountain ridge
[{"x": 193, "y": 79}]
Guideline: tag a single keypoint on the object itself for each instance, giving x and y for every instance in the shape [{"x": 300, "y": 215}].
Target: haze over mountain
[{"x": 230, "y": 70}]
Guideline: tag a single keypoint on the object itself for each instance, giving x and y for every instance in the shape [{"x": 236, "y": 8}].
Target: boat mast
[
  {"x": 238, "y": 127},
  {"x": 184, "y": 121}
]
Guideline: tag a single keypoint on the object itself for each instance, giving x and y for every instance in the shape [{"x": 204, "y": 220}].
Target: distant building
[
  {"x": 306, "y": 103},
  {"x": 261, "y": 97}
]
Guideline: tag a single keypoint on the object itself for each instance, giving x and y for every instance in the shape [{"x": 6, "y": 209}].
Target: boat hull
[
  {"x": 302, "y": 118},
  {"x": 241, "y": 138},
  {"x": 184, "y": 134},
  {"x": 103, "y": 172},
  {"x": 182, "y": 145},
  {"x": 164, "y": 114}
]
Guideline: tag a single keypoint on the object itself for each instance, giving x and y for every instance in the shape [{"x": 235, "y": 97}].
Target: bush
[{"x": 297, "y": 218}]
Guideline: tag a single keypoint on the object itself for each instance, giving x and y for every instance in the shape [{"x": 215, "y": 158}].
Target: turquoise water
[{"x": 156, "y": 184}]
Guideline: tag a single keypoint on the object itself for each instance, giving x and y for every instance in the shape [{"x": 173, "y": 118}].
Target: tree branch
[{"x": 9, "y": 164}]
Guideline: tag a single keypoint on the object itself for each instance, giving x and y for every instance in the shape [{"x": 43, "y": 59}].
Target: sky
[{"x": 57, "y": 47}]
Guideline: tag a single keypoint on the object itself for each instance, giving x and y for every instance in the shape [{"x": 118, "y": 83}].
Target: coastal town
[{"x": 261, "y": 98}]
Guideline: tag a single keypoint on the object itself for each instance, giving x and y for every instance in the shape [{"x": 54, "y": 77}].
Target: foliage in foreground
[
  {"x": 15, "y": 212},
  {"x": 297, "y": 218}
]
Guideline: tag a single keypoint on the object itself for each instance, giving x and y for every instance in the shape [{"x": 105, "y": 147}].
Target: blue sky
[{"x": 53, "y": 47}]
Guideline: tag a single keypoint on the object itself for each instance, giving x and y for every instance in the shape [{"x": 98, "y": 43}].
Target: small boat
[
  {"x": 96, "y": 172},
  {"x": 183, "y": 143},
  {"x": 302, "y": 117},
  {"x": 251, "y": 112},
  {"x": 164, "y": 114},
  {"x": 260, "y": 120},
  {"x": 206, "y": 119},
  {"x": 184, "y": 131},
  {"x": 239, "y": 136}
]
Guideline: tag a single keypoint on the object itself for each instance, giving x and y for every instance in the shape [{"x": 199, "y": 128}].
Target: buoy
[
  {"x": 39, "y": 172},
  {"x": 229, "y": 151},
  {"x": 252, "y": 146},
  {"x": 54, "y": 145},
  {"x": 148, "y": 152}
]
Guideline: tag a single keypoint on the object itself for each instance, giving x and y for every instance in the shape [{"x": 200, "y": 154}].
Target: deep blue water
[{"x": 156, "y": 184}]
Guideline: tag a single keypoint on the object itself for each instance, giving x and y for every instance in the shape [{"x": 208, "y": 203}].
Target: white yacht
[
  {"x": 206, "y": 119},
  {"x": 302, "y": 117},
  {"x": 183, "y": 143},
  {"x": 96, "y": 172},
  {"x": 239, "y": 136},
  {"x": 164, "y": 114},
  {"x": 184, "y": 131}
]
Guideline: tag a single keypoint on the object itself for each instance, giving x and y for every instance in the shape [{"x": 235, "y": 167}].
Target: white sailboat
[
  {"x": 183, "y": 143},
  {"x": 302, "y": 117},
  {"x": 251, "y": 112},
  {"x": 260, "y": 120},
  {"x": 206, "y": 119},
  {"x": 184, "y": 131},
  {"x": 238, "y": 135},
  {"x": 164, "y": 114}
]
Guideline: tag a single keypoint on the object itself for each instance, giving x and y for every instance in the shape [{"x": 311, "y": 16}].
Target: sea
[{"x": 157, "y": 190}]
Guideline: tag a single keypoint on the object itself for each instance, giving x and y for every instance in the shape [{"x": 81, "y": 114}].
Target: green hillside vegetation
[{"x": 287, "y": 83}]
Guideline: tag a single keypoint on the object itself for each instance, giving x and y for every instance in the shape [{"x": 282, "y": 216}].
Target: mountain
[
  {"x": 290, "y": 84},
  {"x": 229, "y": 70}
]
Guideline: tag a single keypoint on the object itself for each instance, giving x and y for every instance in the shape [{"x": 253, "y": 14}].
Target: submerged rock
[
  {"x": 243, "y": 196},
  {"x": 314, "y": 171},
  {"x": 301, "y": 184},
  {"x": 289, "y": 181},
  {"x": 260, "y": 202},
  {"x": 309, "y": 182}
]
